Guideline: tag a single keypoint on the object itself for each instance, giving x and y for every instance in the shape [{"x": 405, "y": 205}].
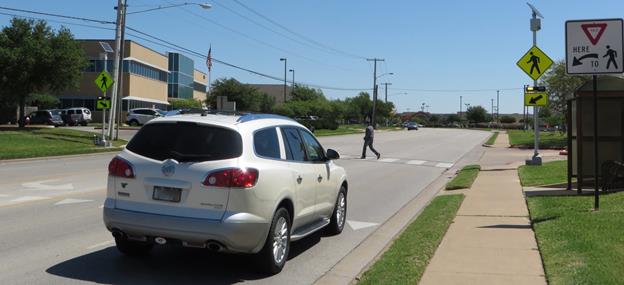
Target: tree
[
  {"x": 304, "y": 93},
  {"x": 506, "y": 119},
  {"x": 43, "y": 101},
  {"x": 477, "y": 114},
  {"x": 560, "y": 85},
  {"x": 184, "y": 104},
  {"x": 247, "y": 98},
  {"x": 452, "y": 118},
  {"x": 36, "y": 59}
]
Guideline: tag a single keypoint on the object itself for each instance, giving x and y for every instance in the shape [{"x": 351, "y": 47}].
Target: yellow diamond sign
[
  {"x": 534, "y": 62},
  {"x": 535, "y": 99},
  {"x": 104, "y": 81}
]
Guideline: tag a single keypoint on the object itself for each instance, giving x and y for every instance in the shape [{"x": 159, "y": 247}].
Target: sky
[{"x": 436, "y": 50}]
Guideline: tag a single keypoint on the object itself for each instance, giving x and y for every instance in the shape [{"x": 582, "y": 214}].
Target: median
[{"x": 41, "y": 142}]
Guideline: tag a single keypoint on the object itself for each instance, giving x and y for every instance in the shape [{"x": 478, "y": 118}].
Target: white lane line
[
  {"x": 389, "y": 160},
  {"x": 355, "y": 225},
  {"x": 346, "y": 156},
  {"x": 71, "y": 201},
  {"x": 40, "y": 185},
  {"x": 444, "y": 165},
  {"x": 102, "y": 244},
  {"x": 29, "y": 198},
  {"x": 416, "y": 162},
  {"x": 101, "y": 207},
  {"x": 4, "y": 195}
]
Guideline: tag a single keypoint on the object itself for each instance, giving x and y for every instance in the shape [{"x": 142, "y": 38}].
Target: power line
[
  {"x": 297, "y": 34},
  {"x": 57, "y": 15},
  {"x": 454, "y": 90},
  {"x": 56, "y": 21}
]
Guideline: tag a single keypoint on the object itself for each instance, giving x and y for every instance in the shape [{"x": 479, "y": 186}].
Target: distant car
[
  {"x": 140, "y": 116},
  {"x": 412, "y": 126},
  {"x": 45, "y": 117},
  {"x": 77, "y": 115}
]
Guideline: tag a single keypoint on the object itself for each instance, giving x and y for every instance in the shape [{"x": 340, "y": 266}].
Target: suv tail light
[
  {"x": 232, "y": 177},
  {"x": 121, "y": 168}
]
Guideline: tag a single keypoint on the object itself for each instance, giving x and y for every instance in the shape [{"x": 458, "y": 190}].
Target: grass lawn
[
  {"x": 524, "y": 139},
  {"x": 464, "y": 178},
  {"x": 406, "y": 259},
  {"x": 32, "y": 142},
  {"x": 492, "y": 139},
  {"x": 548, "y": 173},
  {"x": 350, "y": 129},
  {"x": 578, "y": 245}
]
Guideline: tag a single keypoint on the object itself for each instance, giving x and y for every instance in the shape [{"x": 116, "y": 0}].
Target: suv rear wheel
[
  {"x": 339, "y": 216},
  {"x": 132, "y": 248},
  {"x": 134, "y": 123},
  {"x": 275, "y": 251}
]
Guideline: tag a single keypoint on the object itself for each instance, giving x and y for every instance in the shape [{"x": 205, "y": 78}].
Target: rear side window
[
  {"x": 78, "y": 111},
  {"x": 266, "y": 143},
  {"x": 294, "y": 145},
  {"x": 186, "y": 142}
]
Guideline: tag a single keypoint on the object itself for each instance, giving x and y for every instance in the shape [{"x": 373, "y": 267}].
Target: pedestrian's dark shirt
[{"x": 370, "y": 133}]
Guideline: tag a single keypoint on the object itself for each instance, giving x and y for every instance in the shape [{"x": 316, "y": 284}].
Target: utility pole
[
  {"x": 497, "y": 109},
  {"x": 386, "y": 84},
  {"x": 285, "y": 60},
  {"x": 492, "y": 109},
  {"x": 460, "y": 108},
  {"x": 375, "y": 60},
  {"x": 121, "y": 11}
]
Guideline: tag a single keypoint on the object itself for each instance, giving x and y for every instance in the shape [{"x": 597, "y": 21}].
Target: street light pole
[
  {"x": 535, "y": 25},
  {"x": 386, "y": 84},
  {"x": 285, "y": 60},
  {"x": 121, "y": 10}
]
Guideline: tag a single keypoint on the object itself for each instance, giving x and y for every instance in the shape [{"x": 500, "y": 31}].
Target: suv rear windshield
[{"x": 186, "y": 142}]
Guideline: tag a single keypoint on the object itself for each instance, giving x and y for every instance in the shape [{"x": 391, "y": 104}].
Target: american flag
[{"x": 209, "y": 59}]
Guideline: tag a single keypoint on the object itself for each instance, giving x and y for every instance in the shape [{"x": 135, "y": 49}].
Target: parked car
[
  {"x": 45, "y": 117},
  {"x": 77, "y": 115},
  {"x": 241, "y": 184},
  {"x": 140, "y": 116}
]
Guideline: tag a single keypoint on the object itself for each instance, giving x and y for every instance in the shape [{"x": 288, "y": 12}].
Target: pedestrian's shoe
[
  {"x": 378, "y": 156},
  {"x": 363, "y": 157}
]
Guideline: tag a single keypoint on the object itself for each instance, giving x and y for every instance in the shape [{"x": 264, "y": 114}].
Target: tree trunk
[{"x": 22, "y": 105}]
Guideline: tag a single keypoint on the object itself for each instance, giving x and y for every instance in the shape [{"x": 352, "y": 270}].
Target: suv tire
[
  {"x": 134, "y": 123},
  {"x": 274, "y": 254},
  {"x": 339, "y": 217},
  {"x": 132, "y": 248}
]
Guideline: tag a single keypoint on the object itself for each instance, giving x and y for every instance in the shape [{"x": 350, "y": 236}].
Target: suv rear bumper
[{"x": 237, "y": 232}]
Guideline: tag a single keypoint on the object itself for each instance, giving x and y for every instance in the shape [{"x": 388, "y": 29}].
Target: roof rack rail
[{"x": 251, "y": 117}]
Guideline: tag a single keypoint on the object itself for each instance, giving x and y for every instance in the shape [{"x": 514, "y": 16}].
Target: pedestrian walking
[{"x": 368, "y": 141}]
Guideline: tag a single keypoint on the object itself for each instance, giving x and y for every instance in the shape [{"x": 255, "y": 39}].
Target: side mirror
[{"x": 332, "y": 154}]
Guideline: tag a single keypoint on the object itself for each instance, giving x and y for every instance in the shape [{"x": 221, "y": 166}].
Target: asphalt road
[{"x": 52, "y": 230}]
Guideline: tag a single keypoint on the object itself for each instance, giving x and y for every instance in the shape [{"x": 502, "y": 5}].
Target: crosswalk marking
[
  {"x": 389, "y": 160},
  {"x": 72, "y": 201},
  {"x": 444, "y": 165},
  {"x": 416, "y": 162}
]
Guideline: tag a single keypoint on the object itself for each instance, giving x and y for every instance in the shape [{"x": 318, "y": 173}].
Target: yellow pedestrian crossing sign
[
  {"x": 104, "y": 81},
  {"x": 102, "y": 103},
  {"x": 535, "y": 99},
  {"x": 534, "y": 62}
]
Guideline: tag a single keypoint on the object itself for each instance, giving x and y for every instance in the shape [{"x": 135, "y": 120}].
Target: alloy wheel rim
[
  {"x": 280, "y": 240},
  {"x": 342, "y": 208}
]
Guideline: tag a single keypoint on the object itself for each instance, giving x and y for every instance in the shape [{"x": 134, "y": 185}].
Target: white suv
[
  {"x": 244, "y": 184},
  {"x": 140, "y": 116}
]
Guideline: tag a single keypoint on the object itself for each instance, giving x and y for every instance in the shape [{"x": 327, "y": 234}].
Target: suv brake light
[
  {"x": 232, "y": 177},
  {"x": 121, "y": 168}
]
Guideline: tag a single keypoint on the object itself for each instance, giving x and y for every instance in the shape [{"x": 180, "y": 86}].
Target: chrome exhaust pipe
[{"x": 160, "y": 240}]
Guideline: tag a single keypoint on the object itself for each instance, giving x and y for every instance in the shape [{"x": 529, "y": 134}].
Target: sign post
[
  {"x": 103, "y": 81},
  {"x": 594, "y": 47}
]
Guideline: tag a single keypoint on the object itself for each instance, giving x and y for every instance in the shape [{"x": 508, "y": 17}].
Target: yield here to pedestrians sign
[
  {"x": 534, "y": 62},
  {"x": 535, "y": 99},
  {"x": 594, "y": 46},
  {"x": 104, "y": 81}
]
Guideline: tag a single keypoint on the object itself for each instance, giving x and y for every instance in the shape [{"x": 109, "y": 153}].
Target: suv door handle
[
  {"x": 299, "y": 179},
  {"x": 320, "y": 178}
]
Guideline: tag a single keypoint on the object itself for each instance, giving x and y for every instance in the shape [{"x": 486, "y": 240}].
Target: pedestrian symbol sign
[
  {"x": 534, "y": 62},
  {"x": 535, "y": 99},
  {"x": 104, "y": 81},
  {"x": 594, "y": 46},
  {"x": 103, "y": 103}
]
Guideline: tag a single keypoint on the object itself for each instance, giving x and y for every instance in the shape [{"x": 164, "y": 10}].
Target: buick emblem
[{"x": 168, "y": 167}]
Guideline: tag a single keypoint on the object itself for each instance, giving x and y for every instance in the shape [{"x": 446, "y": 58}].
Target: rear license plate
[{"x": 168, "y": 194}]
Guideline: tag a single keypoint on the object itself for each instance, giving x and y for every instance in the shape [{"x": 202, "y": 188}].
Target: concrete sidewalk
[{"x": 491, "y": 240}]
